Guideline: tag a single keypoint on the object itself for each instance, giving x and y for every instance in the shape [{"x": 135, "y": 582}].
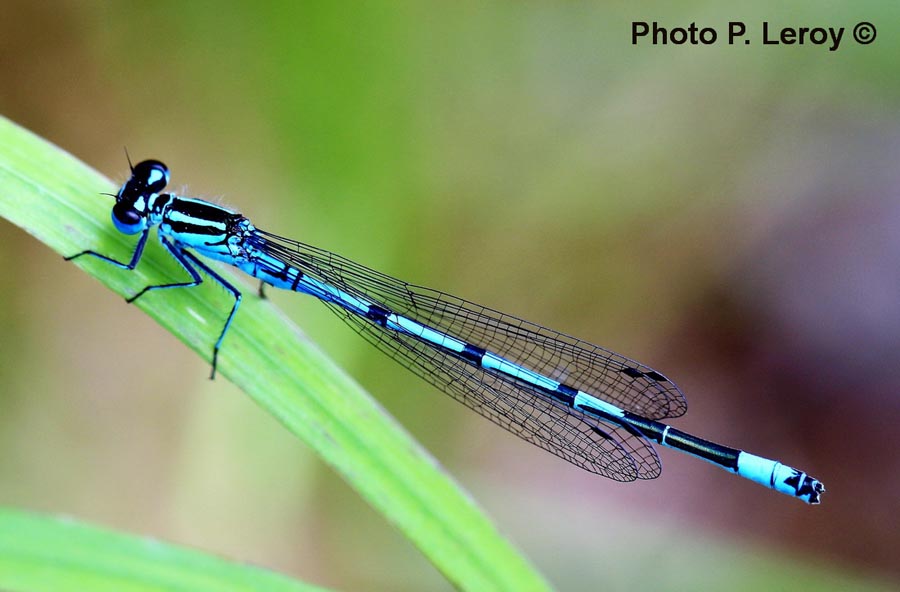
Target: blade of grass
[
  {"x": 57, "y": 554},
  {"x": 54, "y": 197}
]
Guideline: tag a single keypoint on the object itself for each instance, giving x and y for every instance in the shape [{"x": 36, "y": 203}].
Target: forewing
[
  {"x": 607, "y": 375},
  {"x": 568, "y": 433},
  {"x": 608, "y": 450}
]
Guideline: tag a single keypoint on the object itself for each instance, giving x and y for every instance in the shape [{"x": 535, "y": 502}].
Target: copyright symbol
[{"x": 864, "y": 33}]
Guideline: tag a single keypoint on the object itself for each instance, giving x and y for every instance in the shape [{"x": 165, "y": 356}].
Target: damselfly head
[
  {"x": 148, "y": 179},
  {"x": 127, "y": 219}
]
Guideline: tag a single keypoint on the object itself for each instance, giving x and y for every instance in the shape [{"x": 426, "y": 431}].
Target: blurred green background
[{"x": 728, "y": 215}]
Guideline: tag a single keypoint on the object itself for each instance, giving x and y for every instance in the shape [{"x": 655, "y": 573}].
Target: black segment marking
[
  {"x": 566, "y": 394},
  {"x": 805, "y": 486},
  {"x": 473, "y": 353},
  {"x": 812, "y": 488},
  {"x": 297, "y": 281},
  {"x": 715, "y": 453},
  {"x": 794, "y": 481},
  {"x": 378, "y": 315},
  {"x": 567, "y": 390},
  {"x": 653, "y": 430},
  {"x": 282, "y": 273}
]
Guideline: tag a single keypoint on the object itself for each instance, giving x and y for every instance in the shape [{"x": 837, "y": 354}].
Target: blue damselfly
[{"x": 590, "y": 406}]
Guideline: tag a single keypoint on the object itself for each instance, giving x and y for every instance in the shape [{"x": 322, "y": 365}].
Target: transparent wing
[
  {"x": 564, "y": 431},
  {"x": 611, "y": 451}
]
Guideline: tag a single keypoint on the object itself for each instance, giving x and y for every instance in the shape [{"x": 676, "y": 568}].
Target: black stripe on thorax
[
  {"x": 193, "y": 228},
  {"x": 202, "y": 210},
  {"x": 160, "y": 202}
]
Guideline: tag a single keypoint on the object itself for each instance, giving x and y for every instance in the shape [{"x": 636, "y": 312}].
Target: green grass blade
[
  {"x": 55, "y": 198},
  {"x": 54, "y": 554}
]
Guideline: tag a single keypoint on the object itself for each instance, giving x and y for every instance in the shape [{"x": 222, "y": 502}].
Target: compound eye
[
  {"x": 152, "y": 174},
  {"x": 127, "y": 219}
]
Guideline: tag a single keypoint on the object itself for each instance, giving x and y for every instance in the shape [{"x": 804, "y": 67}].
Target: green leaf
[
  {"x": 58, "y": 554},
  {"x": 55, "y": 198}
]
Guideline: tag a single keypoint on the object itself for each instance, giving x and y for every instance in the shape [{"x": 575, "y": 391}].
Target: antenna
[{"x": 131, "y": 166}]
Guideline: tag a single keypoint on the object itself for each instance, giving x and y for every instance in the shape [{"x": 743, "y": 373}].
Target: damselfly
[{"x": 587, "y": 405}]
